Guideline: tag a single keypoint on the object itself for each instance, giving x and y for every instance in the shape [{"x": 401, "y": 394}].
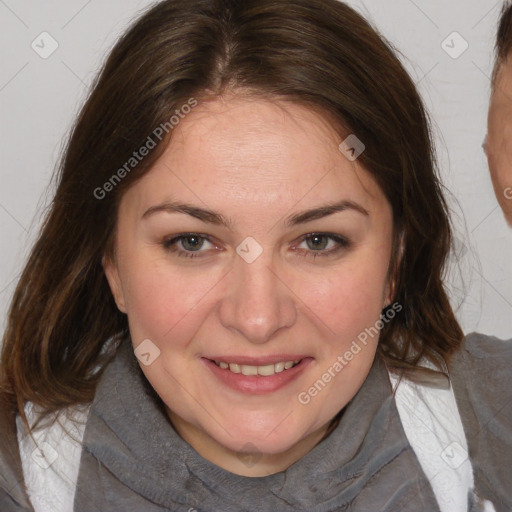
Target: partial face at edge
[
  {"x": 197, "y": 299},
  {"x": 499, "y": 139}
]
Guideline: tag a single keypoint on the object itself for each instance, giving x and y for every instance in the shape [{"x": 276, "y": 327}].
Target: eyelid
[
  {"x": 342, "y": 242},
  {"x": 172, "y": 240}
]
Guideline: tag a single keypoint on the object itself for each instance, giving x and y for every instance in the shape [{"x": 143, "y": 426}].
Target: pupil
[
  {"x": 315, "y": 241},
  {"x": 195, "y": 242}
]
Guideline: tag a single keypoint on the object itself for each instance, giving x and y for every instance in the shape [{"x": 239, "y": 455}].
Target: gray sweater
[{"x": 133, "y": 460}]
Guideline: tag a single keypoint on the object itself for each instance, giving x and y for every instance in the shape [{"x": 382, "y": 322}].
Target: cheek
[
  {"x": 348, "y": 299},
  {"x": 349, "y": 306},
  {"x": 162, "y": 301},
  {"x": 499, "y": 145},
  {"x": 500, "y": 164},
  {"x": 502, "y": 173}
]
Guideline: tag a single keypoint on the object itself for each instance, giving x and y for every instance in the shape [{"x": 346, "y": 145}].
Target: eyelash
[{"x": 343, "y": 243}]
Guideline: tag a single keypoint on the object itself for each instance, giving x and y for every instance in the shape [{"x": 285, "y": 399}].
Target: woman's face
[{"x": 284, "y": 257}]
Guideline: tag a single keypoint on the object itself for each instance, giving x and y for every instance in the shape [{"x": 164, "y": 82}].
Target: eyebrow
[{"x": 212, "y": 217}]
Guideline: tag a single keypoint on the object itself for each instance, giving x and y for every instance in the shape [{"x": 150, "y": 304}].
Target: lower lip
[{"x": 257, "y": 384}]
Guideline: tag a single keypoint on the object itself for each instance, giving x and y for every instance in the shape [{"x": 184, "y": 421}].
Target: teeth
[
  {"x": 264, "y": 371},
  {"x": 267, "y": 370},
  {"x": 249, "y": 370},
  {"x": 235, "y": 368}
]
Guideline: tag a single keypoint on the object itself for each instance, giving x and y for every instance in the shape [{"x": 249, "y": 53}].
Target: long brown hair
[{"x": 319, "y": 53}]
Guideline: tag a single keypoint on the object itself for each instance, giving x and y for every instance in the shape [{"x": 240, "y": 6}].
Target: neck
[{"x": 250, "y": 464}]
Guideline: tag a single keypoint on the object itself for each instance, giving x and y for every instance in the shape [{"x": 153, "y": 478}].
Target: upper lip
[{"x": 257, "y": 361}]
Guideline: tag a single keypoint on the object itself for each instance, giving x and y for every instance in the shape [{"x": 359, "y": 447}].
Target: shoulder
[
  {"x": 13, "y": 496},
  {"x": 482, "y": 381},
  {"x": 486, "y": 355},
  {"x": 51, "y": 457},
  {"x": 481, "y": 346}
]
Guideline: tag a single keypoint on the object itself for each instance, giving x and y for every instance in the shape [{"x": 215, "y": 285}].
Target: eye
[
  {"x": 191, "y": 245},
  {"x": 323, "y": 244}
]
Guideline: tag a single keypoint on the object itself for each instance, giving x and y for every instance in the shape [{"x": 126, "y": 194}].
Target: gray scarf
[{"x": 134, "y": 461}]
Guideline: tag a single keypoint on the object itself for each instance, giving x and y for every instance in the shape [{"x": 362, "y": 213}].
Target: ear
[
  {"x": 112, "y": 275},
  {"x": 390, "y": 290}
]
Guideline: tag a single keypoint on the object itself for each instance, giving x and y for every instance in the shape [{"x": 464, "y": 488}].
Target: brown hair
[
  {"x": 503, "y": 44},
  {"x": 319, "y": 53}
]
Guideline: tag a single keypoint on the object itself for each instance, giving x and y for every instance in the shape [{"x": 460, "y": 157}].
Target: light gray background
[{"x": 40, "y": 97}]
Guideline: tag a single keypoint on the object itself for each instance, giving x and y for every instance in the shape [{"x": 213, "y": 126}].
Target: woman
[{"x": 202, "y": 348}]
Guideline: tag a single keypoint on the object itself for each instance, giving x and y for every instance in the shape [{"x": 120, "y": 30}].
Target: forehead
[
  {"x": 500, "y": 110},
  {"x": 502, "y": 90},
  {"x": 249, "y": 133},
  {"x": 252, "y": 151}
]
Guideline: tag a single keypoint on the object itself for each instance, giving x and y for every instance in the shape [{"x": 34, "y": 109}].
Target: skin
[
  {"x": 256, "y": 162},
  {"x": 499, "y": 139}
]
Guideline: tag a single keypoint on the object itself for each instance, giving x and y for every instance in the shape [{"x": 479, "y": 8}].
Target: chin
[
  {"x": 263, "y": 445},
  {"x": 268, "y": 440}
]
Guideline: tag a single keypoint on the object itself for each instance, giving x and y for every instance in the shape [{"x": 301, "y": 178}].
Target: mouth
[
  {"x": 257, "y": 376},
  {"x": 266, "y": 370}
]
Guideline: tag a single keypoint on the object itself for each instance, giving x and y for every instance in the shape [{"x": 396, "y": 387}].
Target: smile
[
  {"x": 270, "y": 375},
  {"x": 263, "y": 371}
]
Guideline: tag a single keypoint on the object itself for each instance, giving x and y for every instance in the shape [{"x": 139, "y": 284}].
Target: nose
[{"x": 258, "y": 302}]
